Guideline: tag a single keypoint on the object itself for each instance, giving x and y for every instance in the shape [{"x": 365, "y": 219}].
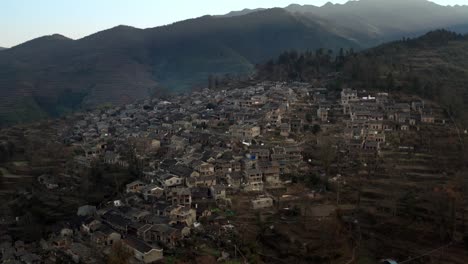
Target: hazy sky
[{"x": 22, "y": 20}]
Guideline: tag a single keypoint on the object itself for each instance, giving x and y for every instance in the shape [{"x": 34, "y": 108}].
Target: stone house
[
  {"x": 274, "y": 118},
  {"x": 206, "y": 169},
  {"x": 253, "y": 179},
  {"x": 218, "y": 192},
  {"x": 262, "y": 202},
  {"x": 222, "y": 167},
  {"x": 403, "y": 117},
  {"x": 371, "y": 145},
  {"x": 348, "y": 96},
  {"x": 178, "y": 143},
  {"x": 152, "y": 191},
  {"x": 181, "y": 215},
  {"x": 164, "y": 234},
  {"x": 427, "y": 118},
  {"x": 49, "y": 181},
  {"x": 234, "y": 179},
  {"x": 201, "y": 181},
  {"x": 322, "y": 114},
  {"x": 117, "y": 222},
  {"x": 417, "y": 106},
  {"x": 142, "y": 251},
  {"x": 296, "y": 125},
  {"x": 271, "y": 174},
  {"x": 376, "y": 137},
  {"x": 135, "y": 187},
  {"x": 179, "y": 196},
  {"x": 105, "y": 236},
  {"x": 245, "y": 132},
  {"x": 111, "y": 158},
  {"x": 375, "y": 125},
  {"x": 260, "y": 153},
  {"x": 90, "y": 225},
  {"x": 169, "y": 180},
  {"x": 285, "y": 129}
]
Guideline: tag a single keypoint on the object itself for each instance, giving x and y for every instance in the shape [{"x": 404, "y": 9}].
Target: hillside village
[{"x": 214, "y": 169}]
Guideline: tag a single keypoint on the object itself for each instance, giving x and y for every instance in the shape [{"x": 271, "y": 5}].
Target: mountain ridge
[
  {"x": 242, "y": 12},
  {"x": 124, "y": 63}
]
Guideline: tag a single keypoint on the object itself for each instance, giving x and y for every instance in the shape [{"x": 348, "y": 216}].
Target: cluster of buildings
[
  {"x": 369, "y": 117},
  {"x": 198, "y": 151}
]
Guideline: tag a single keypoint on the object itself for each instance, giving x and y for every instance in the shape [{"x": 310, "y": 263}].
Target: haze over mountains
[
  {"x": 53, "y": 75},
  {"x": 383, "y": 20}
]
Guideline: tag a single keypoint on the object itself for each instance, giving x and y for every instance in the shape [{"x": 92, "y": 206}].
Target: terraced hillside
[{"x": 413, "y": 201}]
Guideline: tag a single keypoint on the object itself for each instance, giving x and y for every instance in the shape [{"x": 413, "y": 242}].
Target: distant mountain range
[
  {"x": 53, "y": 75},
  {"x": 374, "y": 21},
  {"x": 2, "y": 48}
]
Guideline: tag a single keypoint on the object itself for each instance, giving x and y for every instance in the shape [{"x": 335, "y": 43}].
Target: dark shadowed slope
[{"x": 53, "y": 75}]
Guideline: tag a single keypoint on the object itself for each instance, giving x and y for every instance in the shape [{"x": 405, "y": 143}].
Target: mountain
[
  {"x": 242, "y": 12},
  {"x": 377, "y": 21},
  {"x": 463, "y": 28},
  {"x": 1, "y": 48},
  {"x": 53, "y": 75}
]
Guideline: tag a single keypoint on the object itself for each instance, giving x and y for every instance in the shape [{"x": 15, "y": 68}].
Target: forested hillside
[{"x": 434, "y": 66}]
